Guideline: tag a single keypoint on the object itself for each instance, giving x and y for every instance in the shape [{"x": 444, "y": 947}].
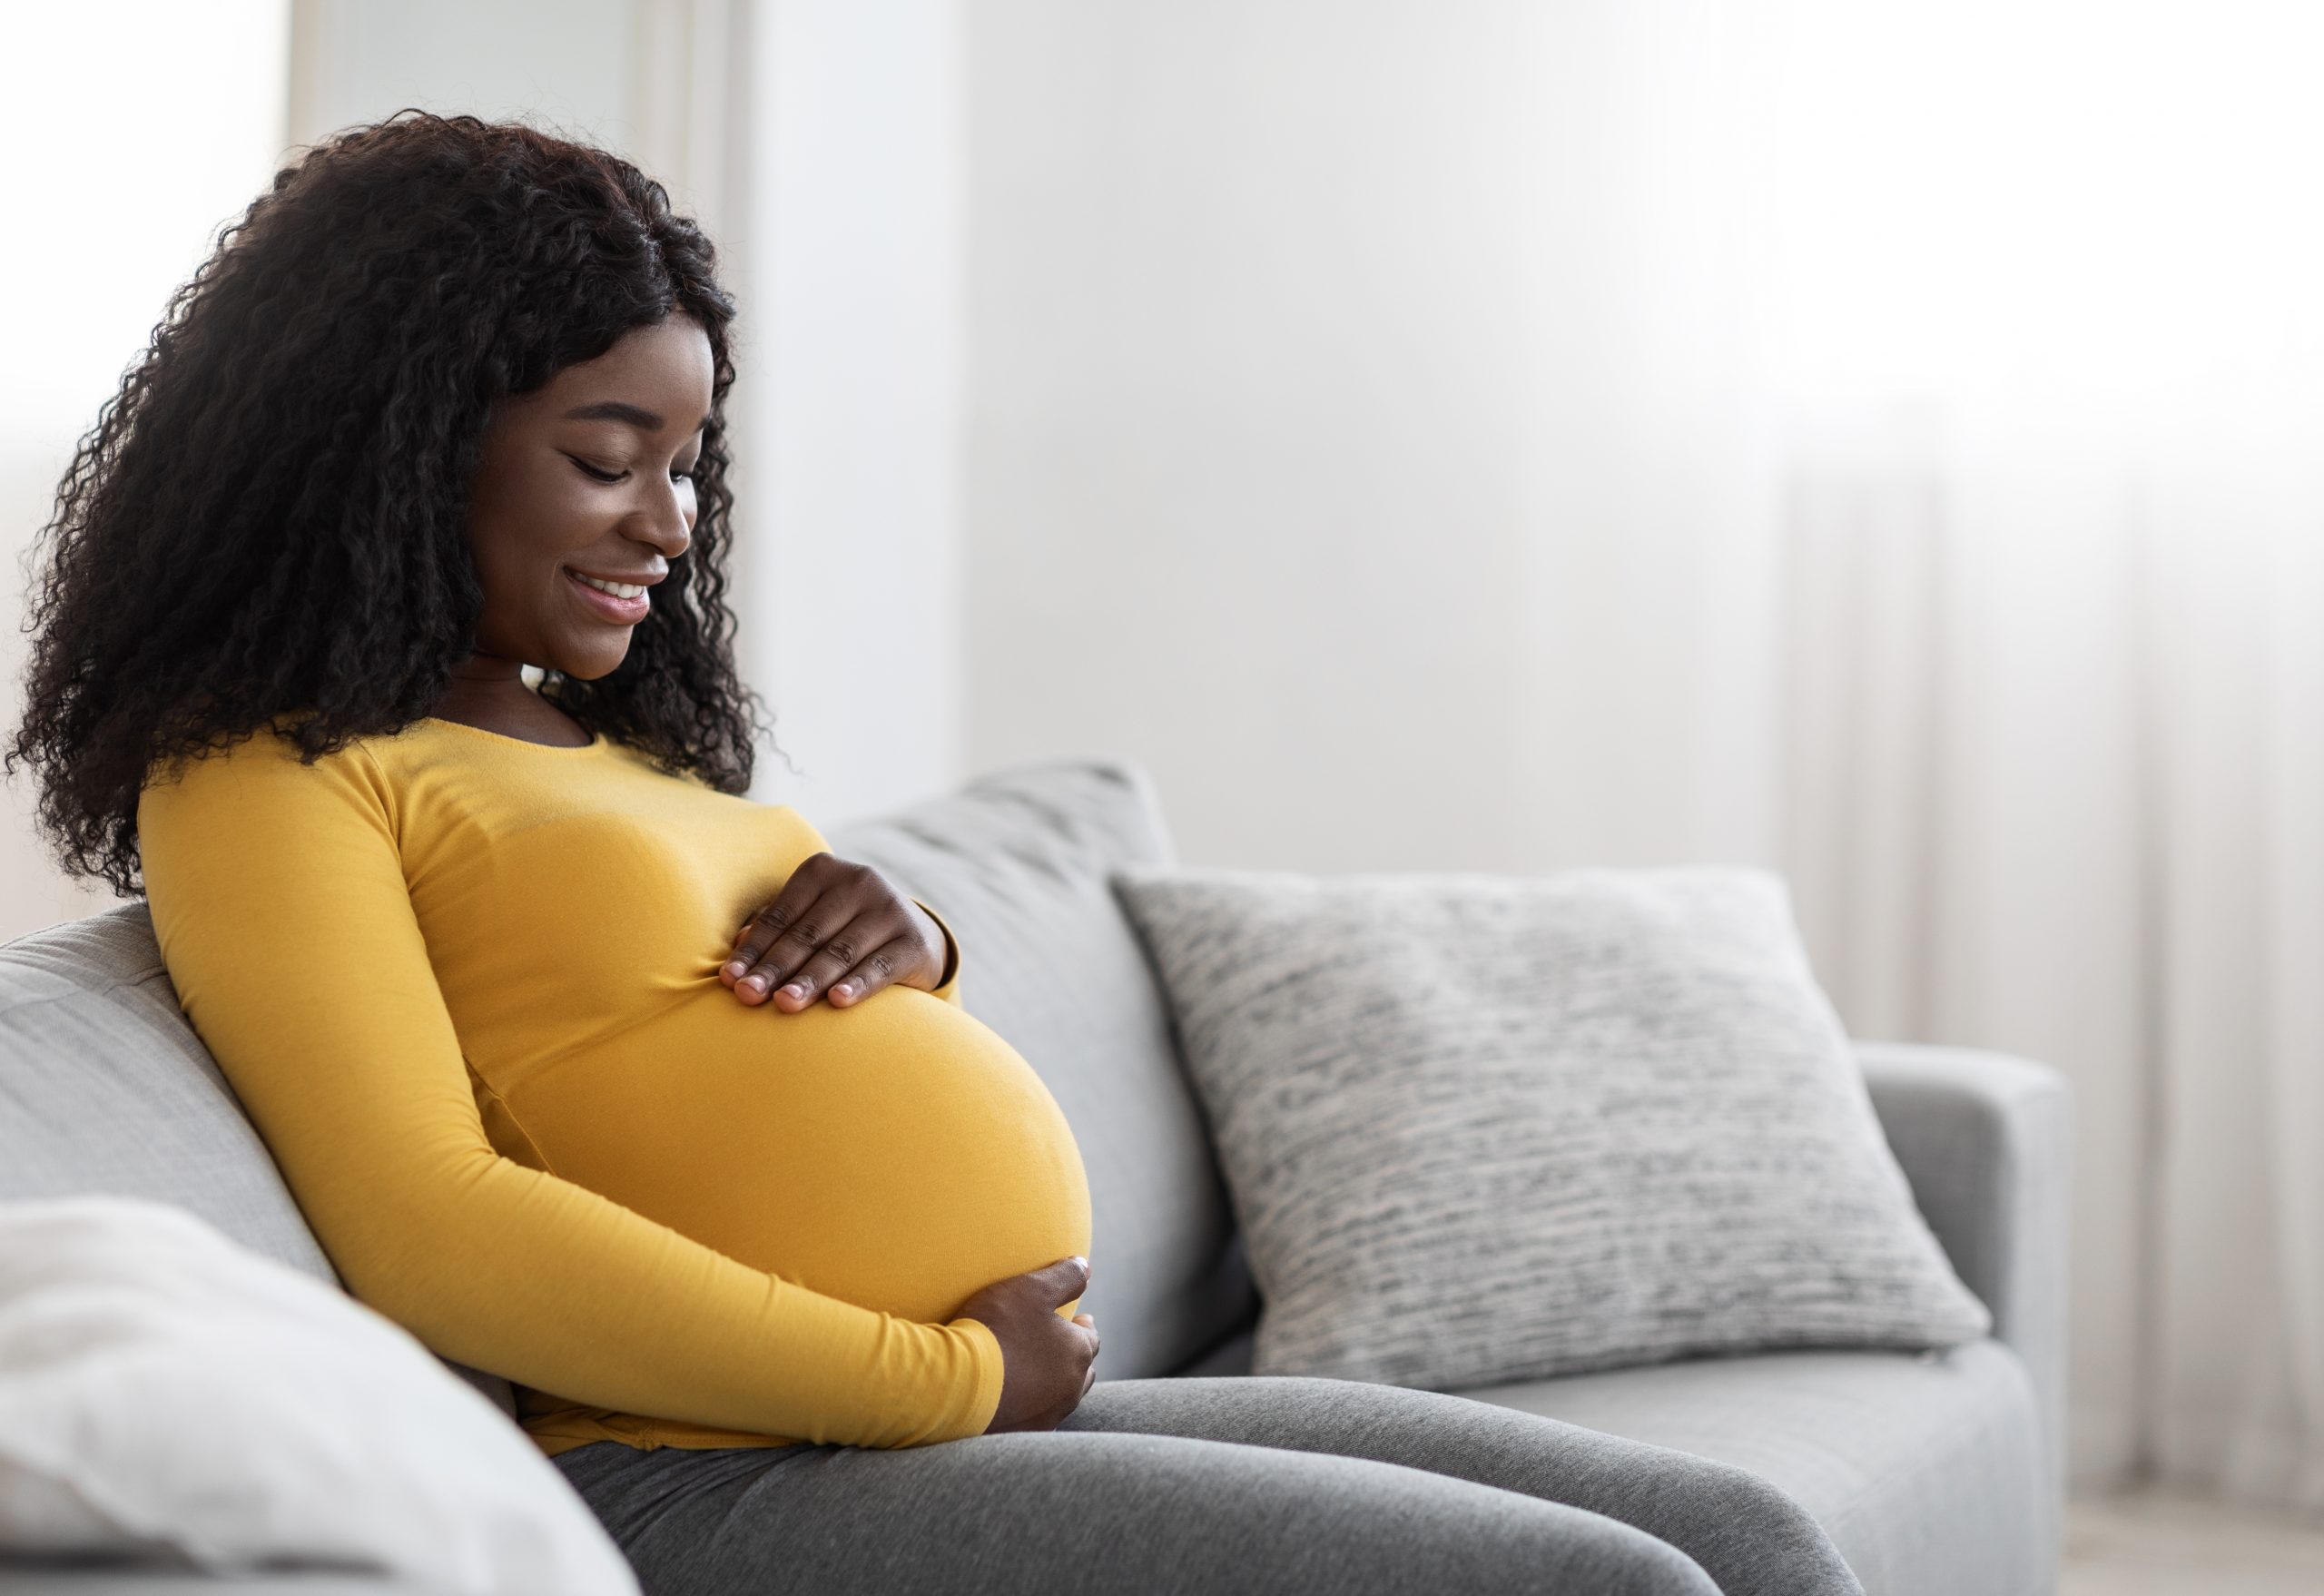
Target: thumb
[{"x": 1063, "y": 1280}]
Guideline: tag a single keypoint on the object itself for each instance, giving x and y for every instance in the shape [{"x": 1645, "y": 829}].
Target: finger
[
  {"x": 877, "y": 969},
  {"x": 856, "y": 911},
  {"x": 1085, "y": 1321},
  {"x": 796, "y": 899},
  {"x": 1066, "y": 1404},
  {"x": 804, "y": 884},
  {"x": 820, "y": 922},
  {"x": 815, "y": 966},
  {"x": 1063, "y": 1280}
]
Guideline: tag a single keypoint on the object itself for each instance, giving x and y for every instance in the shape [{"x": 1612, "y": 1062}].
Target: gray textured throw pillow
[{"x": 1481, "y": 1129}]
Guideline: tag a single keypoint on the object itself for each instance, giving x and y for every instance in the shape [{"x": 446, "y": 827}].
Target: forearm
[{"x": 507, "y": 1268}]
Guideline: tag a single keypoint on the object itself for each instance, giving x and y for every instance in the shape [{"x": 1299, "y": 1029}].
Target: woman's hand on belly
[
  {"x": 1047, "y": 1366},
  {"x": 836, "y": 926}
]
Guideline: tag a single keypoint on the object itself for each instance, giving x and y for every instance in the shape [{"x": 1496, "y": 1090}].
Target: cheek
[{"x": 525, "y": 521}]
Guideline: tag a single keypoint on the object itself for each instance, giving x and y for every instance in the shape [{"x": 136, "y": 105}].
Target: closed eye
[{"x": 595, "y": 475}]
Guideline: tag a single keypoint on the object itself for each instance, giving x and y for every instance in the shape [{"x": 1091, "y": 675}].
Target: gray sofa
[{"x": 1936, "y": 1475}]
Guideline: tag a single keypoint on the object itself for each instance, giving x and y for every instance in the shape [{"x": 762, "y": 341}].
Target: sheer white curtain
[{"x": 2050, "y": 300}]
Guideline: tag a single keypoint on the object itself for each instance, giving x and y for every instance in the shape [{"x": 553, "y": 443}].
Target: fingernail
[
  {"x": 794, "y": 990},
  {"x": 845, "y": 989},
  {"x": 736, "y": 966},
  {"x": 757, "y": 983}
]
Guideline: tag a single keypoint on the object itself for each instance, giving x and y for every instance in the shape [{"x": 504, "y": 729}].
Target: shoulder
[{"x": 254, "y": 775}]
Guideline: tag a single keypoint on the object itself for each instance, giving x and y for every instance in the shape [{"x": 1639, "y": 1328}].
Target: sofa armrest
[{"x": 1985, "y": 1139}]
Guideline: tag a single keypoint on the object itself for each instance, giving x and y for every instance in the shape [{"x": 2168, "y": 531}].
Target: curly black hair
[{"x": 268, "y": 516}]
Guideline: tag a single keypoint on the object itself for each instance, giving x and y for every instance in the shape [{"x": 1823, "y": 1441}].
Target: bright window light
[
  {"x": 2110, "y": 202},
  {"x": 139, "y": 129}
]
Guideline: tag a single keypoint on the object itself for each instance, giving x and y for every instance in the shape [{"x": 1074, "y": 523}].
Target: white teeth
[{"x": 618, "y": 589}]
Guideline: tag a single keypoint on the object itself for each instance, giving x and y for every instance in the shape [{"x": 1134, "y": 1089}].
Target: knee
[
  {"x": 1760, "y": 1541},
  {"x": 1649, "y": 1567},
  {"x": 1759, "y": 1500},
  {"x": 1553, "y": 1549}
]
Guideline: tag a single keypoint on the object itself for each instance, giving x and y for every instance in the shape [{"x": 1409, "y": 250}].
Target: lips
[
  {"x": 635, "y": 578},
  {"x": 626, "y": 611}
]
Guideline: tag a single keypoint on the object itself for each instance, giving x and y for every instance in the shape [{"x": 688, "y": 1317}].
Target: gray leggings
[{"x": 1246, "y": 1483}]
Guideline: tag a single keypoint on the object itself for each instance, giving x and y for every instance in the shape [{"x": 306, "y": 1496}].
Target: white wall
[
  {"x": 1324, "y": 366},
  {"x": 136, "y": 141},
  {"x": 853, "y": 493},
  {"x": 566, "y": 62}
]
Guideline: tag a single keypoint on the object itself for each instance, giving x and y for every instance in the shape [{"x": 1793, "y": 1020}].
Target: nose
[{"x": 668, "y": 523}]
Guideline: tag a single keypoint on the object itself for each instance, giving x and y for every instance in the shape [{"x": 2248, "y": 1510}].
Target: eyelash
[{"x": 596, "y": 476}]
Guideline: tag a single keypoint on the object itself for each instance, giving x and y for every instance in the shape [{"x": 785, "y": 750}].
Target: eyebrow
[{"x": 617, "y": 410}]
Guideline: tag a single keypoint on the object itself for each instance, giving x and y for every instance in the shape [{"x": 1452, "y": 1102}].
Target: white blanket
[{"x": 167, "y": 1393}]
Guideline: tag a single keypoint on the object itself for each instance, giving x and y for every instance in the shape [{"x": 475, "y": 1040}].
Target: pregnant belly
[{"x": 896, "y": 1154}]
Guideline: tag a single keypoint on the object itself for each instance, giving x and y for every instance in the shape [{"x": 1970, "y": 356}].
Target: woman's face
[{"x": 587, "y": 475}]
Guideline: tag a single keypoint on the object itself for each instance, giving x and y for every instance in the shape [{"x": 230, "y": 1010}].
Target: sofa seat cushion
[{"x": 1924, "y": 1468}]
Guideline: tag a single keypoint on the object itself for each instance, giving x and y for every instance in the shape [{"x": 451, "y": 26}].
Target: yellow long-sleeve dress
[{"x": 466, "y": 988}]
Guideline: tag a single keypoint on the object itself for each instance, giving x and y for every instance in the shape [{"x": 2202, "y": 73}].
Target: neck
[
  {"x": 487, "y": 690},
  {"x": 487, "y": 669}
]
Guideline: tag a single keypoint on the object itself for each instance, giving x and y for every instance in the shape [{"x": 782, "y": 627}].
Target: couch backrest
[{"x": 104, "y": 1087}]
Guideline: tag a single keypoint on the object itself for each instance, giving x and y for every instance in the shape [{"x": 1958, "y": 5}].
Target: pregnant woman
[{"x": 590, "y": 1070}]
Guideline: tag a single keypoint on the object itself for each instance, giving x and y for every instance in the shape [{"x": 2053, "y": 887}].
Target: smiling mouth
[{"x": 627, "y": 611}]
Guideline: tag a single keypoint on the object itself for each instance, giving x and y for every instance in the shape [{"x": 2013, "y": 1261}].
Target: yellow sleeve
[
  {"x": 948, "y": 989},
  {"x": 278, "y": 898}
]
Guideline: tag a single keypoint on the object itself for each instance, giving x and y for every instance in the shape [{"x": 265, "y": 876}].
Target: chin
[{"x": 590, "y": 670}]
